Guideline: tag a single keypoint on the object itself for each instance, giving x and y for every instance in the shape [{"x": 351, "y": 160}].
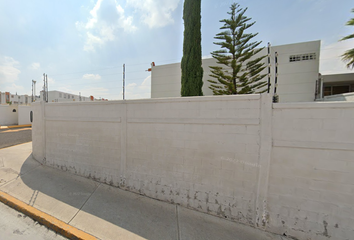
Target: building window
[
  {"x": 68, "y": 96},
  {"x": 64, "y": 95},
  {"x": 333, "y": 90},
  {"x": 302, "y": 57},
  {"x": 60, "y": 95},
  {"x": 327, "y": 91}
]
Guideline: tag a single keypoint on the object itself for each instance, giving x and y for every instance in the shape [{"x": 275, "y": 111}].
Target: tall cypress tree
[
  {"x": 242, "y": 71},
  {"x": 191, "y": 65}
]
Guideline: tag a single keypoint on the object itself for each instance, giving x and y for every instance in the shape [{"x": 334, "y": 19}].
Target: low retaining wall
[
  {"x": 24, "y": 115},
  {"x": 8, "y": 114},
  {"x": 286, "y": 169}
]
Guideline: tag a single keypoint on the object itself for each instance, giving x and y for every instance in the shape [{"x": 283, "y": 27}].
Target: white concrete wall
[
  {"x": 24, "y": 115},
  {"x": 38, "y": 132},
  {"x": 296, "y": 80},
  {"x": 287, "y": 169},
  {"x": 7, "y": 116},
  {"x": 198, "y": 152},
  {"x": 311, "y": 178}
]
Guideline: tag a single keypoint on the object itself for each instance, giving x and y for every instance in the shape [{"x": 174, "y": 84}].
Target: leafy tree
[
  {"x": 348, "y": 56},
  {"x": 191, "y": 65},
  {"x": 242, "y": 72}
]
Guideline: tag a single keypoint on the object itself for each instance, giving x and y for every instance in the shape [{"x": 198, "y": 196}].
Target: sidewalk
[{"x": 107, "y": 212}]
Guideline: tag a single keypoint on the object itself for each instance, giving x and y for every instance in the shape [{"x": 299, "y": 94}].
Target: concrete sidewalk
[{"x": 107, "y": 212}]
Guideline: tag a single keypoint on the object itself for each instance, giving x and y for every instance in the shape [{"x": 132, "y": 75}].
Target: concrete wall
[
  {"x": 311, "y": 177},
  {"x": 24, "y": 114},
  {"x": 287, "y": 169},
  {"x": 7, "y": 114},
  {"x": 198, "y": 152},
  {"x": 296, "y": 80}
]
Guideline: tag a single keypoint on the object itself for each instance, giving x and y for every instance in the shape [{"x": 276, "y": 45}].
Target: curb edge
[{"x": 47, "y": 220}]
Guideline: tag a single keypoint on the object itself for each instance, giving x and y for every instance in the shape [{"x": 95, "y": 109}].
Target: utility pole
[
  {"x": 33, "y": 90},
  {"x": 123, "y": 81},
  {"x": 44, "y": 94},
  {"x": 46, "y": 86}
]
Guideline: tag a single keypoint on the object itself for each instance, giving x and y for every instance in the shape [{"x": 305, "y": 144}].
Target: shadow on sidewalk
[
  {"x": 111, "y": 213},
  {"x": 92, "y": 206}
]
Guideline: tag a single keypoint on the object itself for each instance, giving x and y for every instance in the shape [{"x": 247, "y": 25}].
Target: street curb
[
  {"x": 16, "y": 126},
  {"x": 50, "y": 222}
]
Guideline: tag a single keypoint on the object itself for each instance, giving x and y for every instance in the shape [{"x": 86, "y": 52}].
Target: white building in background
[
  {"x": 10, "y": 98},
  {"x": 58, "y": 96},
  {"x": 298, "y": 71},
  {"x": 15, "y": 109}
]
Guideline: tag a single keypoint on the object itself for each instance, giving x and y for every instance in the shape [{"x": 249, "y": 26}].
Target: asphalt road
[
  {"x": 16, "y": 226},
  {"x": 14, "y": 136}
]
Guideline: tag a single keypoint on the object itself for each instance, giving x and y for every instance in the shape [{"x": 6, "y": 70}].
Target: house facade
[
  {"x": 58, "y": 96},
  {"x": 297, "y": 70}
]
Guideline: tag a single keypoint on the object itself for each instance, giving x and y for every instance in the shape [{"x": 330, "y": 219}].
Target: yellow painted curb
[
  {"x": 51, "y": 222},
  {"x": 17, "y": 126}
]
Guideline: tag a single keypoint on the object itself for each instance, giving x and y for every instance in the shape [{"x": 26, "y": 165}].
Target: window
[
  {"x": 64, "y": 95},
  {"x": 302, "y": 57},
  {"x": 68, "y": 96},
  {"x": 333, "y": 90},
  {"x": 60, "y": 95},
  {"x": 340, "y": 89},
  {"x": 327, "y": 91}
]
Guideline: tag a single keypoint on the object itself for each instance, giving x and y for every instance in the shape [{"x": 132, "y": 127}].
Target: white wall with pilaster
[{"x": 286, "y": 168}]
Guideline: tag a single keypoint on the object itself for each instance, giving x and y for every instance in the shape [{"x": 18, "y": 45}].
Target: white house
[
  {"x": 58, "y": 96},
  {"x": 15, "y": 109},
  {"x": 298, "y": 71}
]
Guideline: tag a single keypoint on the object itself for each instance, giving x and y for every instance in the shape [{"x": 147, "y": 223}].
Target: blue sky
[{"x": 82, "y": 45}]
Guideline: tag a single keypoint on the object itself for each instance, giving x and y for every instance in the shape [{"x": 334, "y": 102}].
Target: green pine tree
[
  {"x": 348, "y": 56},
  {"x": 191, "y": 65},
  {"x": 242, "y": 73}
]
